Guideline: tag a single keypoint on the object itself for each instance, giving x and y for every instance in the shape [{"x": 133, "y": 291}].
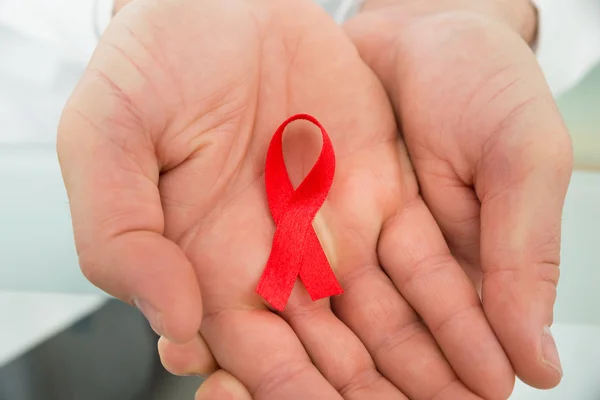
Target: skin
[
  {"x": 162, "y": 219},
  {"x": 491, "y": 152},
  {"x": 164, "y": 168},
  {"x": 495, "y": 179},
  {"x": 221, "y": 385}
]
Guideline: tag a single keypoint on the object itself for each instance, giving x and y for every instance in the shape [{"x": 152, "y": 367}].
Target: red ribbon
[{"x": 296, "y": 249}]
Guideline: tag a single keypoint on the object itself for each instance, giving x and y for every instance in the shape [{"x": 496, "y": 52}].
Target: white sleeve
[
  {"x": 568, "y": 44},
  {"x": 341, "y": 10},
  {"x": 71, "y": 26}
]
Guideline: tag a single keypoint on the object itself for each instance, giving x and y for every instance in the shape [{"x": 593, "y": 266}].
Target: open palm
[
  {"x": 162, "y": 147},
  {"x": 492, "y": 155}
]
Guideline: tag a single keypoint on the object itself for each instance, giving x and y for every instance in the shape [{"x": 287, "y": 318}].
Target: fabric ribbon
[{"x": 296, "y": 250}]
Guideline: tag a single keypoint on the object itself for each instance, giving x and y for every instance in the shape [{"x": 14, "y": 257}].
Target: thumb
[
  {"x": 522, "y": 183},
  {"x": 222, "y": 385},
  {"x": 110, "y": 168}
]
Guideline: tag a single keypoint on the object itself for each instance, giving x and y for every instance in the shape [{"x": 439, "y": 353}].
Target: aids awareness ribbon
[{"x": 296, "y": 250}]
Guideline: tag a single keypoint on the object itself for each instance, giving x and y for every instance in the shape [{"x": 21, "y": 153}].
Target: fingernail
[
  {"x": 234, "y": 388},
  {"x": 549, "y": 350},
  {"x": 153, "y": 316},
  {"x": 222, "y": 386}
]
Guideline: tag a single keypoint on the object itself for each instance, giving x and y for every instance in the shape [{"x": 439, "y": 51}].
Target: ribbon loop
[{"x": 296, "y": 250}]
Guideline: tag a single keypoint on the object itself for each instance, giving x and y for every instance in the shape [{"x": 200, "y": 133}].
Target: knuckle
[
  {"x": 458, "y": 315},
  {"x": 393, "y": 342},
  {"x": 280, "y": 374},
  {"x": 548, "y": 252},
  {"x": 548, "y": 272},
  {"x": 540, "y": 276},
  {"x": 424, "y": 269},
  {"x": 359, "y": 382},
  {"x": 91, "y": 268}
]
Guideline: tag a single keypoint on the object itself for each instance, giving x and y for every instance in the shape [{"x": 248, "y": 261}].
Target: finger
[
  {"x": 255, "y": 345},
  {"x": 522, "y": 184},
  {"x": 111, "y": 174},
  {"x": 191, "y": 358},
  {"x": 414, "y": 254},
  {"x": 222, "y": 386},
  {"x": 344, "y": 362},
  {"x": 264, "y": 353},
  {"x": 456, "y": 209},
  {"x": 401, "y": 346}
]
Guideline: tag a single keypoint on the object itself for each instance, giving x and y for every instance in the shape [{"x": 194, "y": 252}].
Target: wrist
[{"x": 519, "y": 15}]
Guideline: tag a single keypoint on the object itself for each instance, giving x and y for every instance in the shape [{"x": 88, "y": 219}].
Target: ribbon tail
[
  {"x": 283, "y": 265},
  {"x": 316, "y": 273},
  {"x": 276, "y": 284}
]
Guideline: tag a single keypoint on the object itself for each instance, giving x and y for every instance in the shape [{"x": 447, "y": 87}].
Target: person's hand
[
  {"x": 222, "y": 386},
  {"x": 162, "y": 148},
  {"x": 491, "y": 153}
]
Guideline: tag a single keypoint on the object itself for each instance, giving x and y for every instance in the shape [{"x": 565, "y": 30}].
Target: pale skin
[{"x": 162, "y": 148}]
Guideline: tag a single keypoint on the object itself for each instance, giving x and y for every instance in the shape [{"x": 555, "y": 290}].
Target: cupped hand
[
  {"x": 492, "y": 155},
  {"x": 162, "y": 148}
]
